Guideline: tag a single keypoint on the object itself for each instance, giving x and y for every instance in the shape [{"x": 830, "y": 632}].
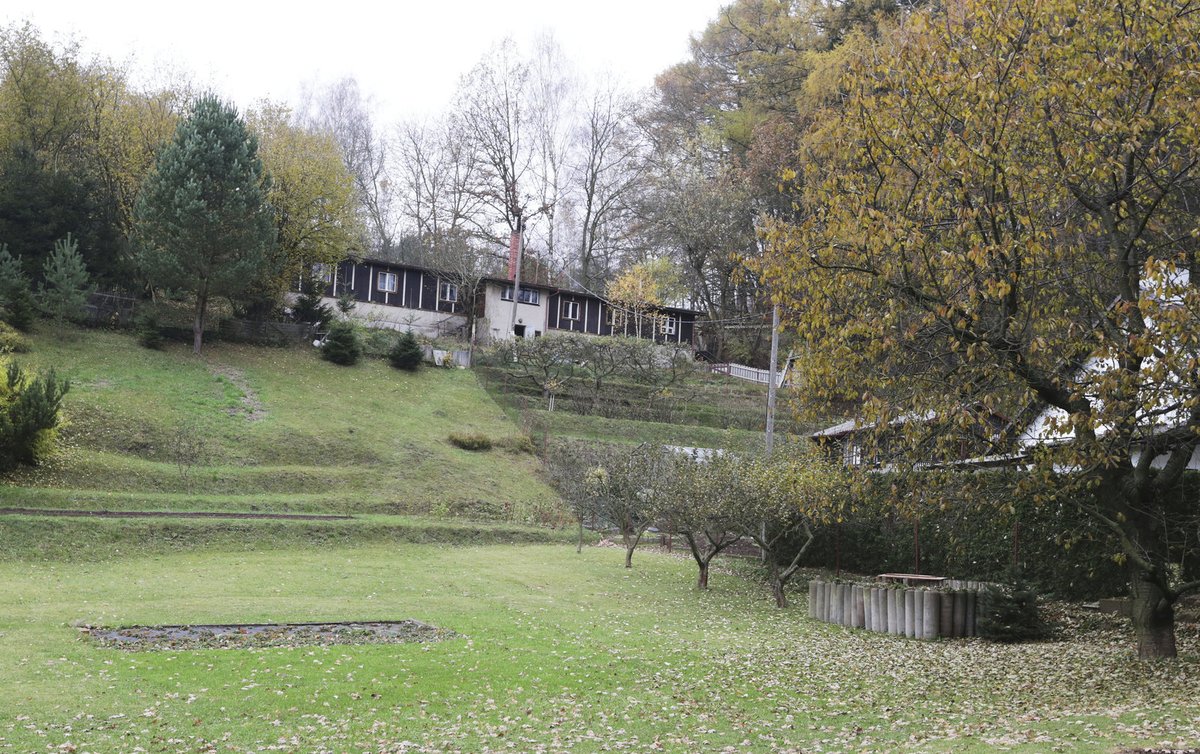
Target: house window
[
  {"x": 527, "y": 295},
  {"x": 570, "y": 310},
  {"x": 448, "y": 292},
  {"x": 851, "y": 453},
  {"x": 386, "y": 282},
  {"x": 667, "y": 325},
  {"x": 323, "y": 273}
]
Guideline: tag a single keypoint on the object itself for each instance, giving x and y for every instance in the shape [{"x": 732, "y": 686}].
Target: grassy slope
[
  {"x": 556, "y": 652},
  {"x": 709, "y": 411},
  {"x": 361, "y": 439}
]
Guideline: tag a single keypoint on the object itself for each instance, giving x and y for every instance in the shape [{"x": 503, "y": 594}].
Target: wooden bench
[{"x": 910, "y": 579}]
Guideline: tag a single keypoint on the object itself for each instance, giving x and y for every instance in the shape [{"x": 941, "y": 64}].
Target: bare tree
[
  {"x": 438, "y": 171},
  {"x": 607, "y": 167},
  {"x": 341, "y": 110},
  {"x": 495, "y": 117},
  {"x": 552, "y": 93}
]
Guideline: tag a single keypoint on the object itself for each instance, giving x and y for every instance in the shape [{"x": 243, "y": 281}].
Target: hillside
[{"x": 266, "y": 429}]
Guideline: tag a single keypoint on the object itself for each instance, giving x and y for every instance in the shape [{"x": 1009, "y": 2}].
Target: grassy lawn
[
  {"x": 245, "y": 428},
  {"x": 555, "y": 652}
]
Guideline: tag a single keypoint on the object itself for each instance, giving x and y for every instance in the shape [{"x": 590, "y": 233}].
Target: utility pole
[
  {"x": 772, "y": 387},
  {"x": 512, "y": 323}
]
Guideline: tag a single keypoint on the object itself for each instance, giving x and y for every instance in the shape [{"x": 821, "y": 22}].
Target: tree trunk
[
  {"x": 777, "y": 583},
  {"x": 702, "y": 579},
  {"x": 198, "y": 323},
  {"x": 1153, "y": 613},
  {"x": 629, "y": 554},
  {"x": 579, "y": 547}
]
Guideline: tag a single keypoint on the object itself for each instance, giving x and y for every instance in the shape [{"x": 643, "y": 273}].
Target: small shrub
[
  {"x": 517, "y": 444},
  {"x": 148, "y": 329},
  {"x": 29, "y": 415},
  {"x": 12, "y": 341},
  {"x": 407, "y": 354},
  {"x": 342, "y": 345},
  {"x": 378, "y": 342},
  {"x": 473, "y": 441},
  {"x": 309, "y": 308},
  {"x": 1009, "y": 615}
]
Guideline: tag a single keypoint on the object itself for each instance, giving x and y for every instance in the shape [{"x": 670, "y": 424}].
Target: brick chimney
[{"x": 514, "y": 246}]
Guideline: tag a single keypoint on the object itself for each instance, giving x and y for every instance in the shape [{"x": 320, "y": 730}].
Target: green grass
[
  {"x": 77, "y": 539},
  {"x": 555, "y": 652},
  {"x": 563, "y": 424},
  {"x": 273, "y": 429},
  {"x": 706, "y": 410}
]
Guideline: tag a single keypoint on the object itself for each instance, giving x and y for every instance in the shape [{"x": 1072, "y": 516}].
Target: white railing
[{"x": 743, "y": 372}]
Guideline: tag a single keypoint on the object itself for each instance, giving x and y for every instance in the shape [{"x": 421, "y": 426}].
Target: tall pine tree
[{"x": 201, "y": 221}]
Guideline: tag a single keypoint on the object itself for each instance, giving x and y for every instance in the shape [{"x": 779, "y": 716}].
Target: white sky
[{"x": 407, "y": 56}]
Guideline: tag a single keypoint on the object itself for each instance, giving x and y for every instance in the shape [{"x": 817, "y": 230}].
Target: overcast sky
[{"x": 408, "y": 56}]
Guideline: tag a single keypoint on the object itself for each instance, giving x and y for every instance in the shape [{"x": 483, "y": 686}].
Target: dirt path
[
  {"x": 251, "y": 407},
  {"x": 169, "y": 514}
]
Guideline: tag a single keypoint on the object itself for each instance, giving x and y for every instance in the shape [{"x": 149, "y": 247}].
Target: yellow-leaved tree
[
  {"x": 640, "y": 292},
  {"x": 1000, "y": 215},
  {"x": 312, "y": 196}
]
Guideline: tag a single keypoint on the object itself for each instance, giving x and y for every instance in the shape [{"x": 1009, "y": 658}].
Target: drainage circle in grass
[{"x": 242, "y": 635}]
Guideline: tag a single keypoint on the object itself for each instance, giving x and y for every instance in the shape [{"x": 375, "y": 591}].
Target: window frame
[
  {"x": 528, "y": 295},
  {"x": 379, "y": 282},
  {"x": 563, "y": 309},
  {"x": 669, "y": 325},
  {"x": 445, "y": 288}
]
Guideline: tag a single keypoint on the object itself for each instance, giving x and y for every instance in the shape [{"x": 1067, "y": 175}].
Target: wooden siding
[
  {"x": 412, "y": 289},
  {"x": 419, "y": 289},
  {"x": 594, "y": 315}
]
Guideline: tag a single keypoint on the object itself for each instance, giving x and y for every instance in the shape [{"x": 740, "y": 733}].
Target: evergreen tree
[
  {"x": 39, "y": 205},
  {"x": 1009, "y": 615},
  {"x": 16, "y": 302},
  {"x": 64, "y": 291},
  {"x": 407, "y": 354},
  {"x": 342, "y": 344},
  {"x": 29, "y": 409},
  {"x": 202, "y": 222},
  {"x": 309, "y": 307}
]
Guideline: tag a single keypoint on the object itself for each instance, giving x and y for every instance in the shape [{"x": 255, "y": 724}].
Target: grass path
[{"x": 557, "y": 652}]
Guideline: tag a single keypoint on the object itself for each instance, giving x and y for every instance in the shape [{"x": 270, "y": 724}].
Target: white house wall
[
  {"x": 1051, "y": 427},
  {"x": 1161, "y": 461},
  {"x": 499, "y": 314},
  {"x": 420, "y": 322}
]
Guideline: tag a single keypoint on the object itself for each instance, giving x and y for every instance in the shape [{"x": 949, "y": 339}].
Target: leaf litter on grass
[{"x": 258, "y": 635}]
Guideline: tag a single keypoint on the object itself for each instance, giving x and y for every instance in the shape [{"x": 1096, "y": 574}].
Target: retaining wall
[{"x": 904, "y": 611}]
